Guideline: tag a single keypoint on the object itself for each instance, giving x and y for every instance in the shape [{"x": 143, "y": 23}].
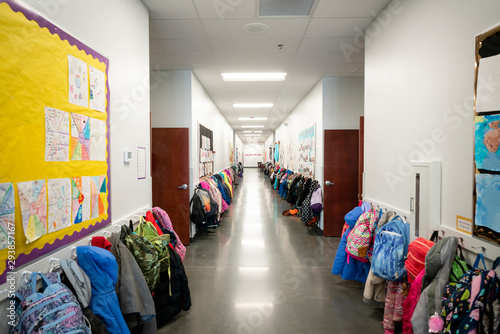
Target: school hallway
[{"x": 262, "y": 272}]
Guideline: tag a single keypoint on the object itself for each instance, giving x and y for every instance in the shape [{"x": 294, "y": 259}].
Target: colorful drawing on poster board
[
  {"x": 79, "y": 148},
  {"x": 56, "y": 135},
  {"x": 487, "y": 141},
  {"x": 307, "y": 151},
  {"x": 7, "y": 212},
  {"x": 78, "y": 82},
  {"x": 97, "y": 80},
  {"x": 98, "y": 195},
  {"x": 97, "y": 139},
  {"x": 488, "y": 197},
  {"x": 59, "y": 191},
  {"x": 81, "y": 199},
  {"x": 33, "y": 203}
]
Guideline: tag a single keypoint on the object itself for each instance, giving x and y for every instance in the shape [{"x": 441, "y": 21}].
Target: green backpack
[
  {"x": 160, "y": 242},
  {"x": 145, "y": 254},
  {"x": 459, "y": 266}
]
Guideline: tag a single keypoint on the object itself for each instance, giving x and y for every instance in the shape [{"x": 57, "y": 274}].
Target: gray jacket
[{"x": 438, "y": 263}]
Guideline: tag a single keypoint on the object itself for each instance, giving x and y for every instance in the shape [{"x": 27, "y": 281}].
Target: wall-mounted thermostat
[{"x": 127, "y": 156}]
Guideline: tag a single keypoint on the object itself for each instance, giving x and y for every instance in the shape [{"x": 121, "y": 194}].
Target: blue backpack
[
  {"x": 390, "y": 250},
  {"x": 54, "y": 309}
]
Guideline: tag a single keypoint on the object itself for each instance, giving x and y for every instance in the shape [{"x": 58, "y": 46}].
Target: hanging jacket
[
  {"x": 305, "y": 191},
  {"x": 354, "y": 269},
  {"x": 172, "y": 294},
  {"x": 411, "y": 301},
  {"x": 165, "y": 222},
  {"x": 306, "y": 212},
  {"x": 291, "y": 196},
  {"x": 101, "y": 267},
  {"x": 136, "y": 302},
  {"x": 438, "y": 263},
  {"x": 224, "y": 190}
]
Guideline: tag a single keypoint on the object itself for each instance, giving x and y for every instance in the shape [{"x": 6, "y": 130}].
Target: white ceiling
[{"x": 205, "y": 36}]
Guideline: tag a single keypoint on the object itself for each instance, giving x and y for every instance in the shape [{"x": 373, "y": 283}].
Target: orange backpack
[{"x": 415, "y": 261}]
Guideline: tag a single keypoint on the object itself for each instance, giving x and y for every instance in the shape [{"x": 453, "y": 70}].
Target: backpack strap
[
  {"x": 435, "y": 238},
  {"x": 496, "y": 263},
  {"x": 478, "y": 258}
]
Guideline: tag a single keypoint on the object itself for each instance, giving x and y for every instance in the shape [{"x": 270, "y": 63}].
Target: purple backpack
[{"x": 54, "y": 309}]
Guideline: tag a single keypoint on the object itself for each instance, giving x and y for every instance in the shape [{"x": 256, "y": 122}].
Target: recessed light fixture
[
  {"x": 253, "y": 76},
  {"x": 252, "y": 126},
  {"x": 253, "y": 105},
  {"x": 254, "y": 131},
  {"x": 252, "y": 135},
  {"x": 252, "y": 119}
]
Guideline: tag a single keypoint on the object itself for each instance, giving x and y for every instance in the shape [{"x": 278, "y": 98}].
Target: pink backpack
[
  {"x": 410, "y": 302},
  {"x": 164, "y": 221},
  {"x": 360, "y": 239}
]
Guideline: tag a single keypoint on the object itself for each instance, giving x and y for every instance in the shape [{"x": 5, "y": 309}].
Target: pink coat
[{"x": 411, "y": 302}]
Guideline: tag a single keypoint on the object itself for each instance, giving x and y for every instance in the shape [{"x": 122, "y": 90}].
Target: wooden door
[
  {"x": 341, "y": 169},
  {"x": 170, "y": 170}
]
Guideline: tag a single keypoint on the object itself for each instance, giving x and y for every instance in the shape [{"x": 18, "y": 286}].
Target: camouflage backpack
[
  {"x": 145, "y": 254},
  {"x": 160, "y": 242}
]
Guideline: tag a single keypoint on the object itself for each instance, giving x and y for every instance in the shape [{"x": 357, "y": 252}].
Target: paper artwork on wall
[
  {"x": 33, "y": 203},
  {"x": 78, "y": 82},
  {"x": 97, "y": 139},
  {"x": 97, "y": 195},
  {"x": 81, "y": 199},
  {"x": 56, "y": 135},
  {"x": 79, "y": 148},
  {"x": 97, "y": 99},
  {"x": 7, "y": 212},
  {"x": 488, "y": 197},
  {"x": 487, "y": 141},
  {"x": 59, "y": 191},
  {"x": 307, "y": 151}
]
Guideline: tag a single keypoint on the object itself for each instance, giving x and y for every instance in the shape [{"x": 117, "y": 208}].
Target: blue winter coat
[
  {"x": 101, "y": 267},
  {"x": 219, "y": 181},
  {"x": 354, "y": 270}
]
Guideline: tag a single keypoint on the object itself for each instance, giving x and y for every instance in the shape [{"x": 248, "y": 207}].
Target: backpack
[
  {"x": 490, "y": 322},
  {"x": 415, "y": 261},
  {"x": 459, "y": 266},
  {"x": 145, "y": 254},
  {"x": 160, "y": 242},
  {"x": 463, "y": 302},
  {"x": 54, "y": 309},
  {"x": 360, "y": 238},
  {"x": 411, "y": 301},
  {"x": 390, "y": 250},
  {"x": 164, "y": 220},
  {"x": 317, "y": 200}
]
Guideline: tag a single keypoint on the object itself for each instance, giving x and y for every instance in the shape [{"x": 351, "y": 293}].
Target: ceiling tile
[
  {"x": 337, "y": 27},
  {"x": 175, "y": 29},
  {"x": 180, "y": 59},
  {"x": 328, "y": 58},
  {"x": 178, "y": 46},
  {"x": 349, "y": 8},
  {"x": 170, "y": 9},
  {"x": 223, "y": 9},
  {"x": 254, "y": 62},
  {"x": 317, "y": 44},
  {"x": 254, "y": 45},
  {"x": 278, "y": 28}
]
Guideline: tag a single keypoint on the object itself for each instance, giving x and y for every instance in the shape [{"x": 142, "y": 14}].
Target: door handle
[
  {"x": 184, "y": 186},
  {"x": 328, "y": 183}
]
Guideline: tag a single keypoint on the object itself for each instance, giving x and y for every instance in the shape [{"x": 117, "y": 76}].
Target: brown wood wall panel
[
  {"x": 341, "y": 168},
  {"x": 170, "y": 169}
]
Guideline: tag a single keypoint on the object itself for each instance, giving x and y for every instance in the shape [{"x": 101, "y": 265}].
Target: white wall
[
  {"x": 254, "y": 153},
  {"x": 269, "y": 143},
  {"x": 419, "y": 76},
  {"x": 171, "y": 99},
  {"x": 343, "y": 102},
  {"x": 119, "y": 29},
  {"x": 238, "y": 147},
  {"x": 205, "y": 112}
]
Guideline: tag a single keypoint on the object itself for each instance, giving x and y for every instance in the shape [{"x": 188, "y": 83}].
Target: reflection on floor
[{"x": 261, "y": 272}]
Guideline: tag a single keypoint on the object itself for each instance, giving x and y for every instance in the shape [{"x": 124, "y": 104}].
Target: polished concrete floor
[{"x": 262, "y": 272}]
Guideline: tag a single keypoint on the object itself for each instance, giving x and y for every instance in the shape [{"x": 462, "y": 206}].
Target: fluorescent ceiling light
[
  {"x": 252, "y": 118},
  {"x": 252, "y": 135},
  {"x": 252, "y": 126},
  {"x": 252, "y": 131},
  {"x": 253, "y": 76},
  {"x": 253, "y": 105}
]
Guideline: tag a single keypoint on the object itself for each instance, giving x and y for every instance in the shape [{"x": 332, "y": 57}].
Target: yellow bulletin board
[{"x": 54, "y": 138}]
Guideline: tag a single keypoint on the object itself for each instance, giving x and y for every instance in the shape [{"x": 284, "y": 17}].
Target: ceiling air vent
[{"x": 285, "y": 7}]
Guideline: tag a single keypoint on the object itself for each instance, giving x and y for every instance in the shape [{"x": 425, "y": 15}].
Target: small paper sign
[{"x": 464, "y": 225}]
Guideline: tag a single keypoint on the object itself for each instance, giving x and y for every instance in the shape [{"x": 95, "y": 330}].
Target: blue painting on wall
[
  {"x": 488, "y": 201},
  {"x": 487, "y": 142}
]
